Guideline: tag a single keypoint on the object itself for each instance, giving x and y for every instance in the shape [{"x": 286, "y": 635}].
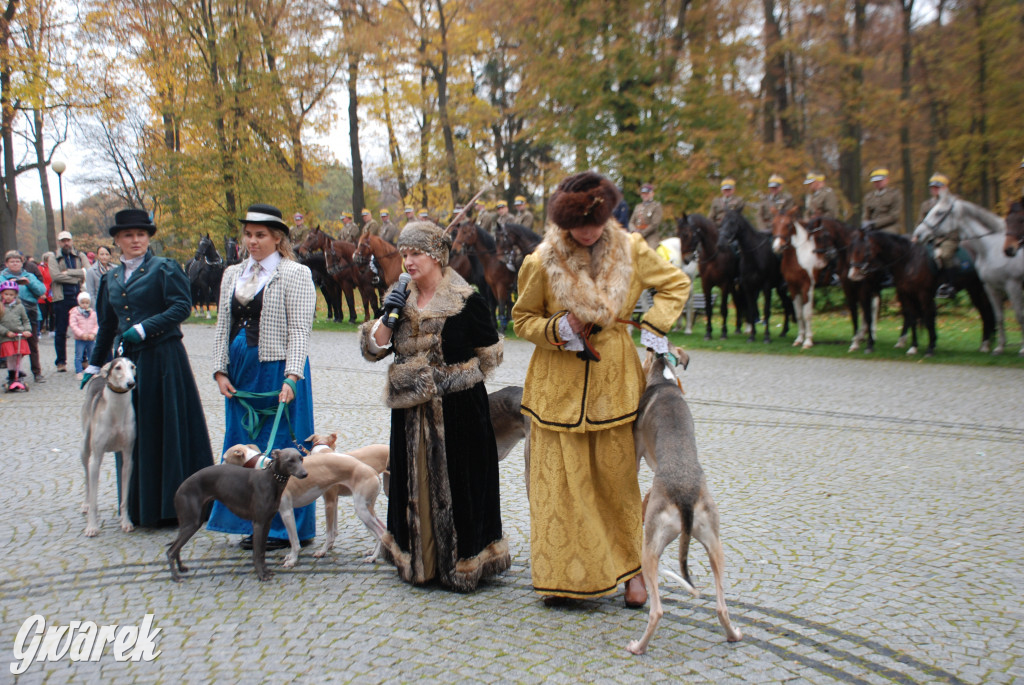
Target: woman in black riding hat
[{"x": 140, "y": 306}]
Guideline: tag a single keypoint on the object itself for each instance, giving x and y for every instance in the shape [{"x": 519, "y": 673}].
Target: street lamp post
[{"x": 59, "y": 165}]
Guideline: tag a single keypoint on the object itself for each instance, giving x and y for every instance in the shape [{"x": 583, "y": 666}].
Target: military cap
[
  {"x": 879, "y": 174},
  {"x": 774, "y": 181},
  {"x": 938, "y": 180},
  {"x": 501, "y": 204},
  {"x": 366, "y": 212},
  {"x": 424, "y": 213},
  {"x": 813, "y": 176},
  {"x": 520, "y": 200},
  {"x": 728, "y": 184},
  {"x": 646, "y": 188},
  {"x": 385, "y": 212},
  {"x": 346, "y": 215}
]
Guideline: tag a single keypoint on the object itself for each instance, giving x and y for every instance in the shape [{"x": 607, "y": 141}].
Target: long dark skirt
[{"x": 171, "y": 440}]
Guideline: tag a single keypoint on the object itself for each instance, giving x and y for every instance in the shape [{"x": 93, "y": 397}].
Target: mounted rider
[
  {"x": 523, "y": 217},
  {"x": 388, "y": 230},
  {"x": 727, "y": 201},
  {"x": 647, "y": 216},
  {"x": 883, "y": 209},
  {"x": 775, "y": 201},
  {"x": 944, "y": 246},
  {"x": 822, "y": 200},
  {"x": 349, "y": 230}
]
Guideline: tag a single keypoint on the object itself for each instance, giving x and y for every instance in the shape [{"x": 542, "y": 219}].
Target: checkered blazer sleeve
[
  {"x": 299, "y": 308},
  {"x": 220, "y": 340}
]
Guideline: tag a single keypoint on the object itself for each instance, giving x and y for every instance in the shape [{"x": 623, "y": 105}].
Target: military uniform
[
  {"x": 487, "y": 220},
  {"x": 646, "y": 220},
  {"x": 722, "y": 204},
  {"x": 524, "y": 217},
  {"x": 298, "y": 234},
  {"x": 772, "y": 204},
  {"x": 883, "y": 208},
  {"x": 388, "y": 231},
  {"x": 502, "y": 219},
  {"x": 824, "y": 203},
  {"x": 371, "y": 227},
  {"x": 926, "y": 207},
  {"x": 349, "y": 232}
]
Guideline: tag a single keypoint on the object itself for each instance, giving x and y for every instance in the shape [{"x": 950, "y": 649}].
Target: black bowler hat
[
  {"x": 267, "y": 215},
  {"x": 131, "y": 218}
]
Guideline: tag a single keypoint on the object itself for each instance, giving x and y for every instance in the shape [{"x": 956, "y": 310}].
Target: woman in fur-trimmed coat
[
  {"x": 444, "y": 511},
  {"x": 583, "y": 387}
]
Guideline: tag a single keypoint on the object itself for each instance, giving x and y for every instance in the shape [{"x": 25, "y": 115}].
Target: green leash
[{"x": 254, "y": 419}]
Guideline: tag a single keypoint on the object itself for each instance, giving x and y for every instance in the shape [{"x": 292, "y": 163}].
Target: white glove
[
  {"x": 656, "y": 342},
  {"x": 573, "y": 342}
]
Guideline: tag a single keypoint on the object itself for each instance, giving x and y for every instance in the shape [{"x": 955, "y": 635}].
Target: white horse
[{"x": 1002, "y": 276}]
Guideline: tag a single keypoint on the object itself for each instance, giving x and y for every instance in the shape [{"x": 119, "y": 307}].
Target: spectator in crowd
[
  {"x": 15, "y": 329},
  {"x": 83, "y": 326},
  {"x": 30, "y": 289},
  {"x": 67, "y": 269},
  {"x": 95, "y": 272}
]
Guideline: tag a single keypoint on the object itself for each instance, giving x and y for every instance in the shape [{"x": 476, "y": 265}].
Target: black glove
[
  {"x": 589, "y": 352},
  {"x": 393, "y": 305}
]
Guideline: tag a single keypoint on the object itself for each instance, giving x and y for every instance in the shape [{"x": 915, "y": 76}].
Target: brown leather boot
[{"x": 636, "y": 592}]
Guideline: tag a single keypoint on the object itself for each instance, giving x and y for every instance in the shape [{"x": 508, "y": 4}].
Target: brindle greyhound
[
  {"x": 252, "y": 494},
  {"x": 679, "y": 503}
]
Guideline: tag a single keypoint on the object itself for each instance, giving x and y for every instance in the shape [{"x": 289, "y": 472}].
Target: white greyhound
[{"x": 108, "y": 425}]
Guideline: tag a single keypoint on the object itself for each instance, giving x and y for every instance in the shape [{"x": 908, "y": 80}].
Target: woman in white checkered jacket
[{"x": 264, "y": 319}]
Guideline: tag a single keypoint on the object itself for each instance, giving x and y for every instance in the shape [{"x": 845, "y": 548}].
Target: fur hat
[
  {"x": 428, "y": 238},
  {"x": 585, "y": 199}
]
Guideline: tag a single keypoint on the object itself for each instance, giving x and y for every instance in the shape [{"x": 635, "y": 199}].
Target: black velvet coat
[
  {"x": 441, "y": 418},
  {"x": 171, "y": 441}
]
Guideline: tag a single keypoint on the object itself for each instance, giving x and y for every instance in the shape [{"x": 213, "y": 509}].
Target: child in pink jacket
[{"x": 83, "y": 326}]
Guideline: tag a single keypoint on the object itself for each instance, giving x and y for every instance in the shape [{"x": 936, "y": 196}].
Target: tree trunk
[
  {"x": 906, "y": 53},
  {"x": 850, "y": 130},
  {"x": 44, "y": 180},
  {"x": 358, "y": 198},
  {"x": 9, "y": 199},
  {"x": 393, "y": 149},
  {"x": 980, "y": 123}
]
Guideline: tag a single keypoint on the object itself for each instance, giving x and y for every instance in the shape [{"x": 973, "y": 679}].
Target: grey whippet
[
  {"x": 679, "y": 503},
  {"x": 108, "y": 425},
  {"x": 251, "y": 494}
]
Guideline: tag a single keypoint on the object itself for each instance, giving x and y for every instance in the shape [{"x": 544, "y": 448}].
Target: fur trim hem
[
  {"x": 492, "y": 560},
  {"x": 394, "y": 554},
  {"x": 592, "y": 283}
]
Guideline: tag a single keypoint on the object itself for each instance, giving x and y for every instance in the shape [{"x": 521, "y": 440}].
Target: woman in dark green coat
[{"x": 140, "y": 306}]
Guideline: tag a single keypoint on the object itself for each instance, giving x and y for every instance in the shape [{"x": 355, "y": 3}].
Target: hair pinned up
[{"x": 586, "y": 199}]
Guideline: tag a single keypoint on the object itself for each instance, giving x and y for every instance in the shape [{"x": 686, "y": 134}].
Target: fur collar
[
  {"x": 449, "y": 298},
  {"x": 592, "y": 283}
]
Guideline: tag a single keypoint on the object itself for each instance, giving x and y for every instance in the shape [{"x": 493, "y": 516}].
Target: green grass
[{"x": 958, "y": 328}]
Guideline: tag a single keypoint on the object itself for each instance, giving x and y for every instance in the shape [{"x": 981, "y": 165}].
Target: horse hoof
[
  {"x": 869, "y": 349},
  {"x": 985, "y": 348},
  {"x": 912, "y": 351},
  {"x": 998, "y": 351},
  {"x": 808, "y": 345},
  {"x": 854, "y": 347},
  {"x": 707, "y": 336}
]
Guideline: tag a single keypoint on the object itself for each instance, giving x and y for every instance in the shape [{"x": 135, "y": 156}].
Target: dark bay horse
[
  {"x": 832, "y": 240},
  {"x": 499, "y": 277},
  {"x": 232, "y": 253},
  {"x": 872, "y": 252},
  {"x": 759, "y": 271},
  {"x": 342, "y": 272},
  {"x": 718, "y": 267},
  {"x": 205, "y": 271}
]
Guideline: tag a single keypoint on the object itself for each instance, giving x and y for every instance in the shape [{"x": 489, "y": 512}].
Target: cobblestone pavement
[{"x": 871, "y": 514}]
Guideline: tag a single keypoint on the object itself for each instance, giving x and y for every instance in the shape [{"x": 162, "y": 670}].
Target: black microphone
[{"x": 392, "y": 313}]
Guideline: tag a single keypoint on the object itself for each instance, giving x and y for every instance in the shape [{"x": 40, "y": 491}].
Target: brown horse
[
  {"x": 389, "y": 261},
  {"x": 343, "y": 272},
  {"x": 718, "y": 267},
  {"x": 500, "y": 279},
  {"x": 873, "y": 252}
]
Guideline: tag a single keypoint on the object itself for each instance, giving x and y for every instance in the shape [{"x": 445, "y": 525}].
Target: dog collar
[
  {"x": 281, "y": 478},
  {"x": 119, "y": 392}
]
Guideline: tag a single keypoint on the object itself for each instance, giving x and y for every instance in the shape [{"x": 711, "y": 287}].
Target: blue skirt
[{"x": 247, "y": 373}]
